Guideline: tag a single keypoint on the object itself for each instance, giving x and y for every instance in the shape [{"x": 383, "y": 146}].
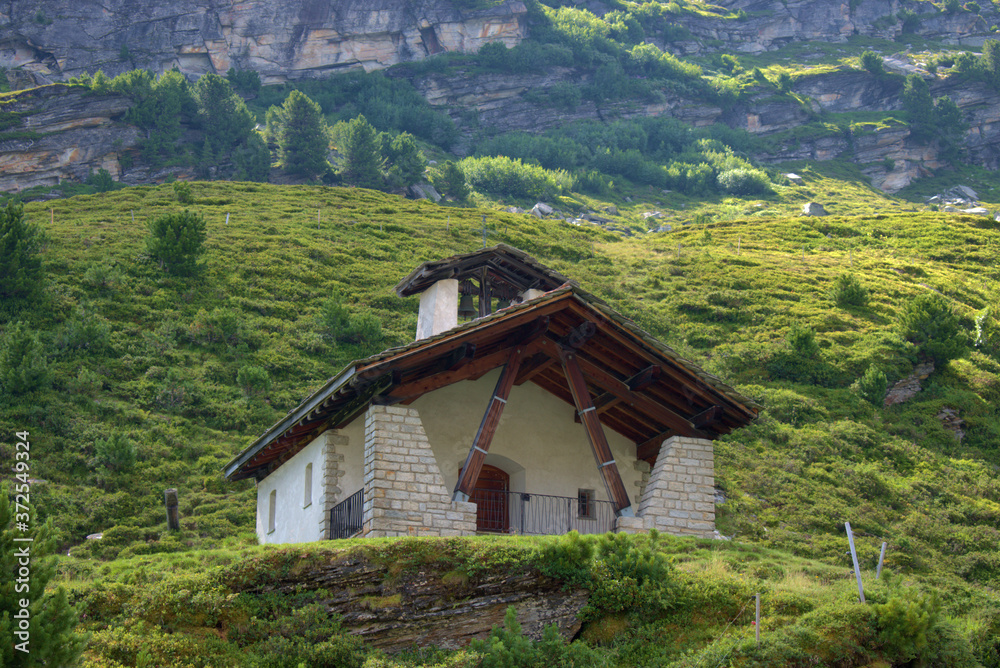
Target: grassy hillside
[{"x": 155, "y": 360}]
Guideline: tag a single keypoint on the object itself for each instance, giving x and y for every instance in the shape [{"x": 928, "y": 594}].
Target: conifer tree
[
  {"x": 176, "y": 240},
  {"x": 51, "y": 619},
  {"x": 20, "y": 266},
  {"x": 361, "y": 154},
  {"x": 407, "y": 161},
  {"x": 301, "y": 136},
  {"x": 23, "y": 365},
  {"x": 224, "y": 115}
]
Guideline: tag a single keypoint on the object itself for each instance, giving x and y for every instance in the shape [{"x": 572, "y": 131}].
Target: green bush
[
  {"x": 744, "y": 181},
  {"x": 254, "y": 381},
  {"x": 117, "y": 453},
  {"x": 449, "y": 179},
  {"x": 506, "y": 647},
  {"x": 872, "y": 62},
  {"x": 848, "y": 291},
  {"x": 176, "y": 241},
  {"x": 101, "y": 180},
  {"x": 872, "y": 386},
  {"x": 182, "y": 190},
  {"x": 930, "y": 325},
  {"x": 23, "y": 364},
  {"x": 512, "y": 178}
]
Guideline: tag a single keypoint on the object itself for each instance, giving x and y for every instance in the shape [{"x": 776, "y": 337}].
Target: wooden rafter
[
  {"x": 487, "y": 428},
  {"x": 595, "y": 434}
]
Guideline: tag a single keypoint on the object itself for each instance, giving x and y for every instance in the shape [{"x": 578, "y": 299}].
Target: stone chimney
[{"x": 438, "y": 308}]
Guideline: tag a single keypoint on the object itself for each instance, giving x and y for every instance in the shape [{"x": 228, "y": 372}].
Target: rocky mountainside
[
  {"x": 766, "y": 25},
  {"x": 281, "y": 40},
  {"x": 63, "y": 134},
  {"x": 56, "y": 39}
]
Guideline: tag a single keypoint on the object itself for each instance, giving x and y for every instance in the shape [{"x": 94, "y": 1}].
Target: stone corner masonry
[
  {"x": 405, "y": 493},
  {"x": 679, "y": 498}
]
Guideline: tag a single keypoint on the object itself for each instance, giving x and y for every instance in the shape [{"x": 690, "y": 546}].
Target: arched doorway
[{"x": 490, "y": 496}]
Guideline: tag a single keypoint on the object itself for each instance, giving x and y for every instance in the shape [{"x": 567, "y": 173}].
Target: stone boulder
[
  {"x": 813, "y": 209},
  {"x": 795, "y": 179},
  {"x": 541, "y": 209},
  {"x": 425, "y": 191}
]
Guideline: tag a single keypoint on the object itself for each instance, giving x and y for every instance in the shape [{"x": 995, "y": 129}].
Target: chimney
[{"x": 438, "y": 309}]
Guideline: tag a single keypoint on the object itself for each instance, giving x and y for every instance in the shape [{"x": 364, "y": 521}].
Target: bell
[{"x": 466, "y": 309}]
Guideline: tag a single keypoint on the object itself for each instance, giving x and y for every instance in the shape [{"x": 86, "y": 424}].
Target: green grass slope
[{"x": 155, "y": 359}]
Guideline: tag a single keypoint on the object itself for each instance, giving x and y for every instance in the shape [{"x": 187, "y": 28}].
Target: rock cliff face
[
  {"x": 427, "y": 607},
  {"x": 285, "y": 39},
  {"x": 770, "y": 24},
  {"x": 64, "y": 135}
]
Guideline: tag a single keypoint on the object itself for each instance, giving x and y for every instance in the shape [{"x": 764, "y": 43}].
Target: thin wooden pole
[
  {"x": 52, "y": 216},
  {"x": 881, "y": 557},
  {"x": 854, "y": 556},
  {"x": 757, "y": 623}
]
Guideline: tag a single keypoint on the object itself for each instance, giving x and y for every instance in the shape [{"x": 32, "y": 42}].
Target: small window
[
  {"x": 585, "y": 503},
  {"x": 307, "y": 486},
  {"x": 272, "y": 502}
]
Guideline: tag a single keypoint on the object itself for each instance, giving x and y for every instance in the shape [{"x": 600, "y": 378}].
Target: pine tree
[
  {"x": 407, "y": 161},
  {"x": 23, "y": 365},
  {"x": 20, "y": 266},
  {"x": 176, "y": 240},
  {"x": 51, "y": 619},
  {"x": 919, "y": 105},
  {"x": 361, "y": 154},
  {"x": 224, "y": 115},
  {"x": 989, "y": 62},
  {"x": 450, "y": 181},
  {"x": 929, "y": 323},
  {"x": 301, "y": 136}
]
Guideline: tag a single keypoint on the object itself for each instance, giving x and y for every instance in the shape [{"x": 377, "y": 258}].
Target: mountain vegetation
[
  {"x": 149, "y": 333},
  {"x": 145, "y": 379}
]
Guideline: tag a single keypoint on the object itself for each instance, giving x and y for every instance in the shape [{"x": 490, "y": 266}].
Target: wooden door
[{"x": 490, "y": 496}]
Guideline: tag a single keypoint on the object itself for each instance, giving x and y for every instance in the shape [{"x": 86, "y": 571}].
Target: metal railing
[
  {"x": 541, "y": 514},
  {"x": 346, "y": 517}
]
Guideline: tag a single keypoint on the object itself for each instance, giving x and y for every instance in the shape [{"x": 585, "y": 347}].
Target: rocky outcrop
[
  {"x": 285, "y": 39},
  {"x": 908, "y": 387},
  {"x": 770, "y": 24},
  {"x": 426, "y": 607},
  {"x": 65, "y": 134}
]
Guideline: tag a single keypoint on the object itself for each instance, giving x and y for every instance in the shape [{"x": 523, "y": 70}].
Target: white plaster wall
[
  {"x": 438, "y": 308},
  {"x": 537, "y": 442},
  {"x": 294, "y": 522},
  {"x": 353, "y": 464}
]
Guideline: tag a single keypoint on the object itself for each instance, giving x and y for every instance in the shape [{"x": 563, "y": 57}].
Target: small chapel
[{"x": 525, "y": 405}]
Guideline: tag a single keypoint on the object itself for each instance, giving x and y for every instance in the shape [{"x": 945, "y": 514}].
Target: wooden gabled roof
[
  {"x": 504, "y": 263},
  {"x": 640, "y": 387}
]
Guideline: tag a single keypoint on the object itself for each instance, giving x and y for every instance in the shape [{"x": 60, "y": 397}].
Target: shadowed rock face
[
  {"x": 281, "y": 39},
  {"x": 74, "y": 134}
]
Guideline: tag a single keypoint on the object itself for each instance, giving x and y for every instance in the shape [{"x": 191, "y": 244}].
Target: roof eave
[{"x": 295, "y": 416}]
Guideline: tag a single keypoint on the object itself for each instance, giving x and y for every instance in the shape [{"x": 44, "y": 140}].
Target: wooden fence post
[{"x": 173, "y": 518}]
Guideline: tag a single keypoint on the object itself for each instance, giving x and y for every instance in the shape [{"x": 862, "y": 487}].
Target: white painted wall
[
  {"x": 296, "y": 522},
  {"x": 438, "y": 308},
  {"x": 537, "y": 442}
]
